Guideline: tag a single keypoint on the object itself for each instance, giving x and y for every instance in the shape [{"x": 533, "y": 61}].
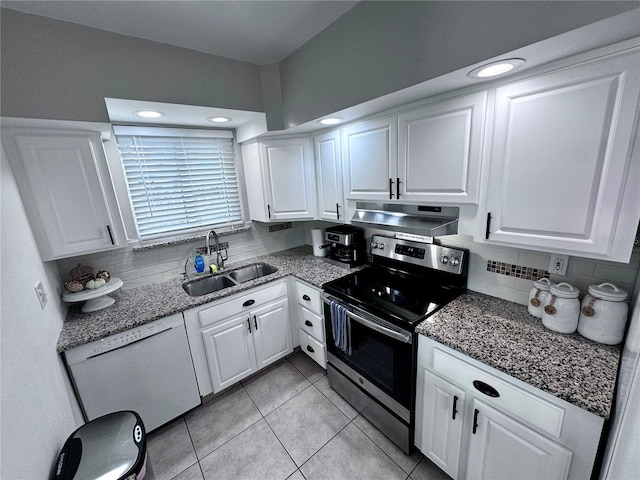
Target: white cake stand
[{"x": 95, "y": 299}]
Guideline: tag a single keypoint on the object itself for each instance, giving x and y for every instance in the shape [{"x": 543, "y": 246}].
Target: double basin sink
[{"x": 203, "y": 286}]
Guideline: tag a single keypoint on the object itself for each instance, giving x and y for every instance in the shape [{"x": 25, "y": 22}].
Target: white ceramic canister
[
  {"x": 603, "y": 316},
  {"x": 537, "y": 297},
  {"x": 562, "y": 308}
]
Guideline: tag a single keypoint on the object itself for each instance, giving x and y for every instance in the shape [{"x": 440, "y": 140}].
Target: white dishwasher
[{"x": 147, "y": 369}]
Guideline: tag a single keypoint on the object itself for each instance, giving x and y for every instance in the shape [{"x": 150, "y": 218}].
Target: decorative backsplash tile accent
[
  {"x": 280, "y": 226},
  {"x": 518, "y": 271}
]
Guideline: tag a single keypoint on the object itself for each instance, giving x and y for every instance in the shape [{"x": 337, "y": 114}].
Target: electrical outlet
[
  {"x": 558, "y": 264},
  {"x": 42, "y": 295}
]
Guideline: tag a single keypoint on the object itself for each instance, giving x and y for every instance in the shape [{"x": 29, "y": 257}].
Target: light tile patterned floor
[{"x": 285, "y": 423}]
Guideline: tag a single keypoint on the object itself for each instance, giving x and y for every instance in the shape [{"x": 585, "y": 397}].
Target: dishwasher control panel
[{"x": 122, "y": 339}]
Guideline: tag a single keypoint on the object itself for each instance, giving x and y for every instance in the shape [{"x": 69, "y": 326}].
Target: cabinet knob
[
  {"x": 310, "y": 349},
  {"x": 308, "y": 323},
  {"x": 306, "y": 298},
  {"x": 248, "y": 303}
]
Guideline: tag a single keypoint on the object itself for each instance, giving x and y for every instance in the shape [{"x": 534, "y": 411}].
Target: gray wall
[
  {"x": 381, "y": 47},
  {"x": 59, "y": 70}
]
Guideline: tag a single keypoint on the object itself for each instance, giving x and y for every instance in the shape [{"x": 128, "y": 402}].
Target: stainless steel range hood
[{"x": 418, "y": 219}]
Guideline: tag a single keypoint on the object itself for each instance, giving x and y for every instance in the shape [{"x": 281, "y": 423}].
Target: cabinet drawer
[
  {"x": 313, "y": 348},
  {"x": 537, "y": 411},
  {"x": 311, "y": 323},
  {"x": 309, "y": 297},
  {"x": 222, "y": 309}
]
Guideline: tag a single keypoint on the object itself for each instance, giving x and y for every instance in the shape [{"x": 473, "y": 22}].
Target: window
[{"x": 180, "y": 181}]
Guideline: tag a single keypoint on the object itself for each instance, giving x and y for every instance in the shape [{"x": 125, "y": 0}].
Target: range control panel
[{"x": 437, "y": 257}]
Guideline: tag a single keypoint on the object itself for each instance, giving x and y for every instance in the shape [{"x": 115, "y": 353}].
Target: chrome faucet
[{"x": 207, "y": 245}]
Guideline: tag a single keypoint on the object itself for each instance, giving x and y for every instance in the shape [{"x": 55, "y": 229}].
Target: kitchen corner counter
[
  {"x": 503, "y": 335},
  {"x": 145, "y": 304}
]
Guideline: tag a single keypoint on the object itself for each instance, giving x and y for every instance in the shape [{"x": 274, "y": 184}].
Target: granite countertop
[
  {"x": 505, "y": 336},
  {"x": 142, "y": 305}
]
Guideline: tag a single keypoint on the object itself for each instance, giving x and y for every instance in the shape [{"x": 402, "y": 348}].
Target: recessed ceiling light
[
  {"x": 219, "y": 119},
  {"x": 494, "y": 69},
  {"x": 148, "y": 114},
  {"x": 330, "y": 121}
]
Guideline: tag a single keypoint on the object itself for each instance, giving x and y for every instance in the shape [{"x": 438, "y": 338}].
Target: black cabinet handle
[
  {"x": 455, "y": 405},
  {"x": 485, "y": 388},
  {"x": 475, "y": 420},
  {"x": 110, "y": 235},
  {"x": 306, "y": 298},
  {"x": 248, "y": 303},
  {"x": 398, "y": 187},
  {"x": 249, "y": 324},
  {"x": 255, "y": 322},
  {"x": 488, "y": 230},
  {"x": 390, "y": 189},
  {"x": 310, "y": 349},
  {"x": 337, "y": 211},
  {"x": 308, "y": 323},
  {"x": 269, "y": 210}
]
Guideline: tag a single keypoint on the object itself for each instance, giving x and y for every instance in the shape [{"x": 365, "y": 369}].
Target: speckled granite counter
[
  {"x": 141, "y": 305},
  {"x": 505, "y": 336}
]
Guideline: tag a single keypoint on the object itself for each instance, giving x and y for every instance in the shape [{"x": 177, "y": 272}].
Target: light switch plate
[
  {"x": 558, "y": 264},
  {"x": 42, "y": 295}
]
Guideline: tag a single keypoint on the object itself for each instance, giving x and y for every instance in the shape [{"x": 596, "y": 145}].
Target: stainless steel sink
[
  {"x": 206, "y": 285},
  {"x": 251, "y": 272}
]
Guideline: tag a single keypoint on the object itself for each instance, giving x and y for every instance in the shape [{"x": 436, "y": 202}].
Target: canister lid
[
  {"x": 608, "y": 291},
  {"x": 564, "y": 290},
  {"x": 542, "y": 284}
]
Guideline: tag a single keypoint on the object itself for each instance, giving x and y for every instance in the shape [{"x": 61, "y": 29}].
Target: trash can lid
[{"x": 110, "y": 447}]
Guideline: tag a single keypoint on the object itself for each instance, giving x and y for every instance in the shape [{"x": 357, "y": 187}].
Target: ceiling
[{"x": 259, "y": 32}]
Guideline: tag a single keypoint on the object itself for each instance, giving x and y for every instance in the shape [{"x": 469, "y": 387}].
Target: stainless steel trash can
[{"x": 113, "y": 446}]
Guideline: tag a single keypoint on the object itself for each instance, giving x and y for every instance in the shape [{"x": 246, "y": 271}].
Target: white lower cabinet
[
  {"x": 310, "y": 321},
  {"x": 232, "y": 338},
  {"x": 475, "y": 422},
  {"x": 503, "y": 448},
  {"x": 442, "y": 410}
]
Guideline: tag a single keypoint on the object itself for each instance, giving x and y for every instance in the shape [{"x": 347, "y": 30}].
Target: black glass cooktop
[{"x": 394, "y": 295}]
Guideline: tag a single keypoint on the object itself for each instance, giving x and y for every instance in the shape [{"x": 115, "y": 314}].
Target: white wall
[{"x": 39, "y": 410}]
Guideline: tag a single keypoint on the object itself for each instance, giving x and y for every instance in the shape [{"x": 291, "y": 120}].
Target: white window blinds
[{"x": 179, "y": 180}]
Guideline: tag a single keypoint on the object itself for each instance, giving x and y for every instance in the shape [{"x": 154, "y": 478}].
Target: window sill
[{"x": 186, "y": 239}]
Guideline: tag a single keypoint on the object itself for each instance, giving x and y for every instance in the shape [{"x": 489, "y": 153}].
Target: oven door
[{"x": 381, "y": 359}]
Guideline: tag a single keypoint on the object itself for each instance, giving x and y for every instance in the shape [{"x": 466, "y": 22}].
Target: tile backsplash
[
  {"x": 494, "y": 270},
  {"x": 144, "y": 267}
]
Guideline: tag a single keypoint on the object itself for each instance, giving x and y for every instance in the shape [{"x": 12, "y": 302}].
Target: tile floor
[{"x": 285, "y": 423}]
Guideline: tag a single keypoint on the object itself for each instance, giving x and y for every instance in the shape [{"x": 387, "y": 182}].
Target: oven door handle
[{"x": 403, "y": 337}]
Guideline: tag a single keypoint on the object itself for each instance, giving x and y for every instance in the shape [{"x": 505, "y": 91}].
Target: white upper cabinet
[
  {"x": 561, "y": 160},
  {"x": 328, "y": 150},
  {"x": 280, "y": 180},
  {"x": 66, "y": 189},
  {"x": 440, "y": 150},
  {"x": 371, "y": 159},
  {"x": 429, "y": 154}
]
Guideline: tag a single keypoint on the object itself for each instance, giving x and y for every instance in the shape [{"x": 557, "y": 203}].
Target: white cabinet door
[
  {"x": 442, "y": 404},
  {"x": 561, "y": 153},
  {"x": 331, "y": 202},
  {"x": 371, "y": 159},
  {"x": 271, "y": 327},
  {"x": 290, "y": 179},
  {"x": 230, "y": 351},
  {"x": 502, "y": 448},
  {"x": 440, "y": 150},
  {"x": 67, "y": 192}
]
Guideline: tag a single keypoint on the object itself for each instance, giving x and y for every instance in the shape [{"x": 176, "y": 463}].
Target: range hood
[{"x": 423, "y": 220}]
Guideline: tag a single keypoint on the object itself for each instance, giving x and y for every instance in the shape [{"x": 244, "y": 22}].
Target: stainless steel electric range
[{"x": 370, "y": 318}]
